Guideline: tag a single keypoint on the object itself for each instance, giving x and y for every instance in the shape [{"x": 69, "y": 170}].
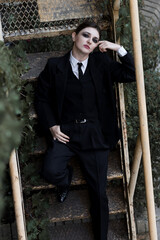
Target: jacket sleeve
[
  {"x": 123, "y": 72},
  {"x": 44, "y": 99}
]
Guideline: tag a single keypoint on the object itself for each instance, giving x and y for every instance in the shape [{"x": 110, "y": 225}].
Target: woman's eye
[
  {"x": 85, "y": 35},
  {"x": 95, "y": 40}
]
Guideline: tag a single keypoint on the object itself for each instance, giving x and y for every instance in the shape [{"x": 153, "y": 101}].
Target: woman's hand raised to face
[
  {"x": 57, "y": 134},
  {"x": 104, "y": 45}
]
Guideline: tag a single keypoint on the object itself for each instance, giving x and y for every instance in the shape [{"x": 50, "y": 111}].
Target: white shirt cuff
[{"x": 121, "y": 51}]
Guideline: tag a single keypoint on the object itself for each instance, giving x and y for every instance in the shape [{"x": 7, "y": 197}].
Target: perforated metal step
[
  {"x": 77, "y": 205},
  {"x": 114, "y": 172},
  {"x": 83, "y": 231}
]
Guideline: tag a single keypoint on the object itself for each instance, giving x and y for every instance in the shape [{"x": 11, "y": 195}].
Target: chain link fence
[{"x": 25, "y": 19}]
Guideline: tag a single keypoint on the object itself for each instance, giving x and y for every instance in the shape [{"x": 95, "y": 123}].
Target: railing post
[
  {"x": 143, "y": 118},
  {"x": 1, "y": 32},
  {"x": 124, "y": 153},
  {"x": 135, "y": 167},
  {"x": 17, "y": 197}
]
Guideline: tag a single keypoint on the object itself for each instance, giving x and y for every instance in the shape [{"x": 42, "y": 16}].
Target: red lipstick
[{"x": 86, "y": 46}]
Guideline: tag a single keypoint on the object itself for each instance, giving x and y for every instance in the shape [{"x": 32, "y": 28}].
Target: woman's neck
[{"x": 79, "y": 55}]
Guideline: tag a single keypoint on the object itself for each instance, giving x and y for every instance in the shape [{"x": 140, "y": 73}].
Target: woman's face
[{"x": 86, "y": 40}]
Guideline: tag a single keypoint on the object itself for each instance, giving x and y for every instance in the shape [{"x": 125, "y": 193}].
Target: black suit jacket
[{"x": 52, "y": 82}]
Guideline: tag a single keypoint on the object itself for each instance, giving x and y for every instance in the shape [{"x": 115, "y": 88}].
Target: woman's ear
[{"x": 73, "y": 36}]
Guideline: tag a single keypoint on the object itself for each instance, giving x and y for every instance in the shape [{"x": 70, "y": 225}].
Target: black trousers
[{"x": 95, "y": 163}]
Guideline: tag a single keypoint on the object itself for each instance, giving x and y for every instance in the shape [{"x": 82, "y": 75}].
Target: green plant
[
  {"x": 36, "y": 219},
  {"x": 13, "y": 63}
]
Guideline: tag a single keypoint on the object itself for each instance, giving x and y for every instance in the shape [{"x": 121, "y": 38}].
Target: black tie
[{"x": 80, "y": 70}]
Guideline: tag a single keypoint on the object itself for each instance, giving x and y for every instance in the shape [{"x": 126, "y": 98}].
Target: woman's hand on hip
[
  {"x": 104, "y": 45},
  {"x": 57, "y": 134}
]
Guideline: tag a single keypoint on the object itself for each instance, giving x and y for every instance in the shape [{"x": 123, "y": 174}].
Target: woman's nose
[{"x": 89, "y": 40}]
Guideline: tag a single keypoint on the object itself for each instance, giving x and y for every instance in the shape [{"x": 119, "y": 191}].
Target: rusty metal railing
[
  {"x": 142, "y": 145},
  {"x": 124, "y": 149},
  {"x": 143, "y": 118},
  {"x": 17, "y": 195}
]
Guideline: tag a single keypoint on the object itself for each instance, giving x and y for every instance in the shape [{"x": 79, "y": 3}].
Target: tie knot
[{"x": 80, "y": 64}]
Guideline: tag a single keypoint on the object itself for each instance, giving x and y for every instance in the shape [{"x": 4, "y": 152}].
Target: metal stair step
[
  {"x": 37, "y": 62},
  {"x": 77, "y": 205},
  {"x": 83, "y": 231},
  {"x": 114, "y": 172}
]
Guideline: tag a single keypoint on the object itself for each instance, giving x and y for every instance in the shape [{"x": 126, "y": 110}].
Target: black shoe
[{"x": 62, "y": 191}]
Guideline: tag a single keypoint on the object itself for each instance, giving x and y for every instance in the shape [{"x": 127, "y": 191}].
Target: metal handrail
[
  {"x": 17, "y": 196},
  {"x": 143, "y": 118}
]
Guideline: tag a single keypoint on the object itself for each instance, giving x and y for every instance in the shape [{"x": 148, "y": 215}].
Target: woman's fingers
[
  {"x": 62, "y": 137},
  {"x": 104, "y": 45},
  {"x": 101, "y": 42},
  {"x": 103, "y": 49},
  {"x": 57, "y": 134}
]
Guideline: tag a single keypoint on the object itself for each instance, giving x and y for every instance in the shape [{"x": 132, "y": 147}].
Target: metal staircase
[{"x": 70, "y": 220}]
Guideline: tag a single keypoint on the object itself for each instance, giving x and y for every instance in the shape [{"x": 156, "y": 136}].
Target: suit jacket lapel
[{"x": 61, "y": 80}]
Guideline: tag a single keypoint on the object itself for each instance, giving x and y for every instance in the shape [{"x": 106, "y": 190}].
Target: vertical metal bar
[
  {"x": 143, "y": 118},
  {"x": 116, "y": 8},
  {"x": 1, "y": 32},
  {"x": 135, "y": 167},
  {"x": 17, "y": 197},
  {"x": 126, "y": 168},
  {"x": 125, "y": 155},
  {"x": 124, "y": 132}
]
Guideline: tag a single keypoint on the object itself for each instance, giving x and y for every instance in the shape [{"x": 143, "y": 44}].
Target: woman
[{"x": 75, "y": 104}]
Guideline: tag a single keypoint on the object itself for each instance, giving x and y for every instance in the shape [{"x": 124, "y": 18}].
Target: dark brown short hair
[{"x": 88, "y": 24}]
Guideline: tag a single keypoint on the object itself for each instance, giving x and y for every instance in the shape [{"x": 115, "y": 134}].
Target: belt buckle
[{"x": 81, "y": 121}]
